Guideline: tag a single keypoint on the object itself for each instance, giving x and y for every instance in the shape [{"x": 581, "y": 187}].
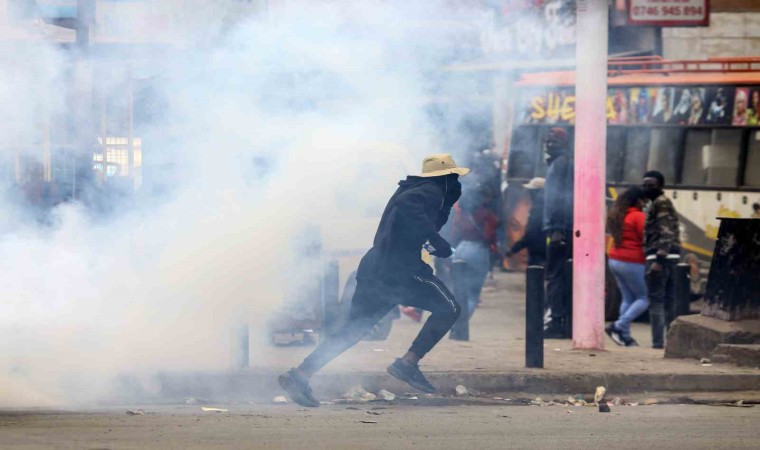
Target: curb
[{"x": 249, "y": 386}]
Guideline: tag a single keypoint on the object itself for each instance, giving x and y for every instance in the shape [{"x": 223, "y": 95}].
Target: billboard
[
  {"x": 661, "y": 105},
  {"x": 669, "y": 13}
]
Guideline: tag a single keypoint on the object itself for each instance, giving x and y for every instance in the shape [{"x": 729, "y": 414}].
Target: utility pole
[
  {"x": 590, "y": 167},
  {"x": 83, "y": 86}
]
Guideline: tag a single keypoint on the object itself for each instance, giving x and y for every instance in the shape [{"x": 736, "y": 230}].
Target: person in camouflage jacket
[{"x": 662, "y": 247}]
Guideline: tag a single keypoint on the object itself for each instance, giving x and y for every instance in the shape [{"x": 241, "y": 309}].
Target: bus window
[
  {"x": 693, "y": 171},
  {"x": 524, "y": 152},
  {"x": 615, "y": 151},
  {"x": 721, "y": 158},
  {"x": 664, "y": 152},
  {"x": 636, "y": 154},
  {"x": 752, "y": 168}
]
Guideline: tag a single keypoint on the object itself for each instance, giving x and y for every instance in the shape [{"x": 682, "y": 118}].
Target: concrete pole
[{"x": 590, "y": 156}]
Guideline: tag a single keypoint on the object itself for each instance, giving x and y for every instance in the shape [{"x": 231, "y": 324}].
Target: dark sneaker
[
  {"x": 555, "y": 330},
  {"x": 298, "y": 388},
  {"x": 630, "y": 342},
  {"x": 614, "y": 334},
  {"x": 410, "y": 374},
  {"x": 658, "y": 346}
]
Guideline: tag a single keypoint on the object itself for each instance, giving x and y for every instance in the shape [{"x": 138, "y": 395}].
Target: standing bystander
[
  {"x": 625, "y": 223},
  {"x": 558, "y": 225},
  {"x": 662, "y": 248},
  {"x": 534, "y": 238},
  {"x": 474, "y": 238}
]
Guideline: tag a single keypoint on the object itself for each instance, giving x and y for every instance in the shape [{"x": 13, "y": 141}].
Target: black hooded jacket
[{"x": 415, "y": 214}]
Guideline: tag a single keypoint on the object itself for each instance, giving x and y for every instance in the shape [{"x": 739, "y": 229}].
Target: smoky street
[
  {"x": 384, "y": 427},
  {"x": 382, "y": 224}
]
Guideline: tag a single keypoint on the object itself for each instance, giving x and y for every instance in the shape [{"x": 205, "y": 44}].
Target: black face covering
[
  {"x": 652, "y": 193},
  {"x": 453, "y": 189}
]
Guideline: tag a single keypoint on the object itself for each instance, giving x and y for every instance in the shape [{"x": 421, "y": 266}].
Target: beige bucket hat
[
  {"x": 441, "y": 164},
  {"x": 535, "y": 183}
]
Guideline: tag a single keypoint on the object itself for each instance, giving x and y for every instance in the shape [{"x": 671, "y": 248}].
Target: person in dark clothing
[
  {"x": 558, "y": 225},
  {"x": 534, "y": 238},
  {"x": 662, "y": 247},
  {"x": 474, "y": 235},
  {"x": 392, "y": 273}
]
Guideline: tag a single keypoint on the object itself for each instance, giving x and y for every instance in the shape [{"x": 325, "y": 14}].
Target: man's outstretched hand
[{"x": 441, "y": 246}]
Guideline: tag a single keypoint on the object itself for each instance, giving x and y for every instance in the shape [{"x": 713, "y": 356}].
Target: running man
[{"x": 393, "y": 273}]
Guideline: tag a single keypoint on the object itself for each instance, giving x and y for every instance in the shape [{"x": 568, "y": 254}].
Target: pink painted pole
[{"x": 590, "y": 155}]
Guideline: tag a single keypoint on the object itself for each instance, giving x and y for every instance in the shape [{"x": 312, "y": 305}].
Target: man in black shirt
[{"x": 392, "y": 272}]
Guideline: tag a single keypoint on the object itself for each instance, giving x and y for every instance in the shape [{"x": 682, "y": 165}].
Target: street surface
[{"x": 385, "y": 427}]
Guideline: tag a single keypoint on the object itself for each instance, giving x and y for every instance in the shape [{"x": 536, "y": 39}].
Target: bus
[{"x": 698, "y": 122}]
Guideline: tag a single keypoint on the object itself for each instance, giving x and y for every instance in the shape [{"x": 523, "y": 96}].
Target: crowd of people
[{"x": 644, "y": 229}]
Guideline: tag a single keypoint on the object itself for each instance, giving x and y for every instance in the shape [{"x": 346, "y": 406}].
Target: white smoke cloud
[{"x": 302, "y": 117}]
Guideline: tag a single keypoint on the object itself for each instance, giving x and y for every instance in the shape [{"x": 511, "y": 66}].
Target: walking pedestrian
[
  {"x": 662, "y": 247},
  {"x": 558, "y": 225},
  {"x": 474, "y": 237},
  {"x": 534, "y": 238},
  {"x": 625, "y": 223},
  {"x": 392, "y": 272}
]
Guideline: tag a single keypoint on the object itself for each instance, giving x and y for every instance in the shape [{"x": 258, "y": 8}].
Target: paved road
[{"x": 396, "y": 427}]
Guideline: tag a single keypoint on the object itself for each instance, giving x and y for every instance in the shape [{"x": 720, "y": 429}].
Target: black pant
[
  {"x": 557, "y": 288},
  {"x": 372, "y": 300},
  {"x": 661, "y": 293}
]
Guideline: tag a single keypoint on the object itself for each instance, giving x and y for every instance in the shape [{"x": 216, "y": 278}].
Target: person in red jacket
[{"x": 625, "y": 223}]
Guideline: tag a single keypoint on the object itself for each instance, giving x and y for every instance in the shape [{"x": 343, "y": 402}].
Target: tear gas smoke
[{"x": 269, "y": 125}]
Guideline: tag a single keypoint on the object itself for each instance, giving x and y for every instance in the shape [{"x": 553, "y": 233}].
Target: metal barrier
[
  {"x": 534, "y": 317},
  {"x": 330, "y": 298},
  {"x": 243, "y": 347},
  {"x": 461, "y": 329},
  {"x": 568, "y": 298},
  {"x": 682, "y": 290}
]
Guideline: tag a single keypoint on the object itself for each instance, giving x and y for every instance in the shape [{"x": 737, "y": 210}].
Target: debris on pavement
[
  {"x": 368, "y": 421},
  {"x": 599, "y": 394},
  {"x": 461, "y": 391},
  {"x": 650, "y": 401},
  {"x": 191, "y": 401},
  {"x": 737, "y": 404},
  {"x": 279, "y": 400},
  {"x": 604, "y": 407},
  {"x": 358, "y": 393},
  {"x": 386, "y": 395},
  {"x": 138, "y": 412},
  {"x": 705, "y": 361},
  {"x": 210, "y": 409},
  {"x": 575, "y": 401},
  {"x": 373, "y": 413}
]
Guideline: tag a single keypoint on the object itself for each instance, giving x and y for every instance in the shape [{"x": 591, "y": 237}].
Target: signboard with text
[
  {"x": 672, "y": 105},
  {"x": 669, "y": 13}
]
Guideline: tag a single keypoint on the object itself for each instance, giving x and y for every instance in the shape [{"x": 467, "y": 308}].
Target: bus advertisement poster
[{"x": 691, "y": 105}]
